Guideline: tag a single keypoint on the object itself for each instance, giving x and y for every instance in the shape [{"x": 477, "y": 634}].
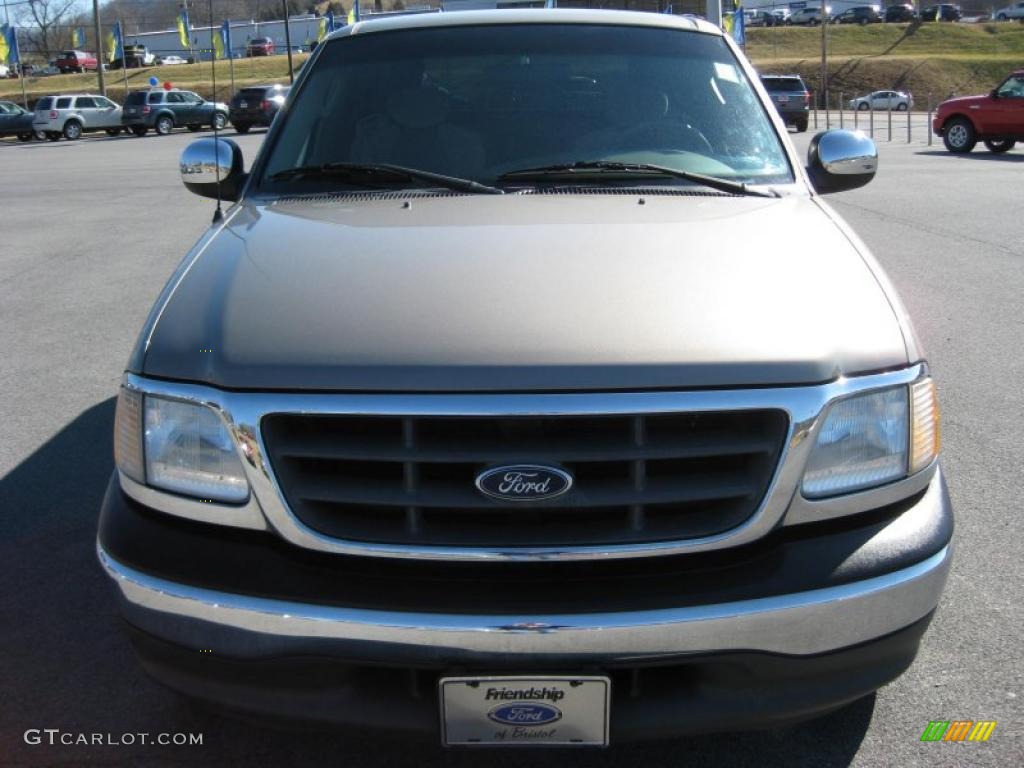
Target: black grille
[{"x": 402, "y": 480}]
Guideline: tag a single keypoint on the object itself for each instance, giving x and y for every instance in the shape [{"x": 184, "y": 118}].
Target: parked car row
[
  {"x": 871, "y": 14},
  {"x": 157, "y": 109}
]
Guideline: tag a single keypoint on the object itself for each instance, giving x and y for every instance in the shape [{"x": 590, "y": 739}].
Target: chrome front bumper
[{"x": 802, "y": 623}]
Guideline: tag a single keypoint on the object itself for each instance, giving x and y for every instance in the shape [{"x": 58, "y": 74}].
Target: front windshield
[{"x": 477, "y": 102}]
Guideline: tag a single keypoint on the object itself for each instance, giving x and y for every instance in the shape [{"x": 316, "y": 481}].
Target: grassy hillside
[
  {"x": 936, "y": 59},
  {"x": 926, "y": 59},
  {"x": 888, "y": 40}
]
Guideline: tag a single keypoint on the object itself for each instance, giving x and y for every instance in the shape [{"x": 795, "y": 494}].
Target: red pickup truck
[
  {"x": 996, "y": 118},
  {"x": 76, "y": 61}
]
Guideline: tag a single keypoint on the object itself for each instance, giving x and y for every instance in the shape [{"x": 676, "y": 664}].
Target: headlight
[
  {"x": 874, "y": 438},
  {"x": 863, "y": 443},
  {"x": 177, "y": 446}
]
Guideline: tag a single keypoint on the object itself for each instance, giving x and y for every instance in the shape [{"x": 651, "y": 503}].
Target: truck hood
[
  {"x": 963, "y": 102},
  {"x": 522, "y": 292}
]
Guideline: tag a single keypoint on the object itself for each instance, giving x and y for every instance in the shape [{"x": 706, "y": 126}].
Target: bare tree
[{"x": 42, "y": 21}]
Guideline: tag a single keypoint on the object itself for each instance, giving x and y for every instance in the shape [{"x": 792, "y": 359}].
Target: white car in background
[
  {"x": 884, "y": 100},
  {"x": 4, "y": 71},
  {"x": 168, "y": 60},
  {"x": 1014, "y": 11},
  {"x": 806, "y": 16}
]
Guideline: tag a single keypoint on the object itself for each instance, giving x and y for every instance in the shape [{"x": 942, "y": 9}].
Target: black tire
[
  {"x": 1001, "y": 17},
  {"x": 113, "y": 131},
  {"x": 53, "y": 135},
  {"x": 801, "y": 126},
  {"x": 862, "y": 22},
  {"x": 220, "y": 121},
  {"x": 40, "y": 135},
  {"x": 193, "y": 127},
  {"x": 863, "y": 106},
  {"x": 959, "y": 135},
  {"x": 26, "y": 136},
  {"x": 139, "y": 130},
  {"x": 902, "y": 107},
  {"x": 72, "y": 130},
  {"x": 242, "y": 127},
  {"x": 164, "y": 125},
  {"x": 997, "y": 147}
]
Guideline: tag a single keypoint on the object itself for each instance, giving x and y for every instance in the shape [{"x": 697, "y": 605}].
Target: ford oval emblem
[
  {"x": 525, "y": 714},
  {"x": 523, "y": 482}
]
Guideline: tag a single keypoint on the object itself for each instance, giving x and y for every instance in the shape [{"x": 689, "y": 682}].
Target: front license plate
[
  {"x": 243, "y": 104},
  {"x": 516, "y": 711}
]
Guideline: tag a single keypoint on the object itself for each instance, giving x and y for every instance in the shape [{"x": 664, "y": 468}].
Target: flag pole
[
  {"x": 231, "y": 56},
  {"x": 21, "y": 66},
  {"x": 124, "y": 58}
]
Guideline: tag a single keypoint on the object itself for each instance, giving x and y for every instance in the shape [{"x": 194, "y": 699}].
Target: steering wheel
[{"x": 666, "y": 134}]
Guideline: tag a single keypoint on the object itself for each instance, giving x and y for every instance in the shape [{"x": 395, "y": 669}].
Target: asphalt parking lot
[{"x": 90, "y": 230}]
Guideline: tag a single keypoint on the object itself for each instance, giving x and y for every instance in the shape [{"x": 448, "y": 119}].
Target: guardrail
[{"x": 880, "y": 124}]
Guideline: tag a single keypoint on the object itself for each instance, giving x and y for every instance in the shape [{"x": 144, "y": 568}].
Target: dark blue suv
[{"x": 163, "y": 110}]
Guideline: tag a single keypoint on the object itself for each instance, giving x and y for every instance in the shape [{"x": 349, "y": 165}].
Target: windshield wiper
[
  {"x": 382, "y": 172},
  {"x": 609, "y": 166}
]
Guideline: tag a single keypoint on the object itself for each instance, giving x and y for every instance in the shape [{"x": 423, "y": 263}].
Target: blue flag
[
  {"x": 114, "y": 47},
  {"x": 222, "y": 41},
  {"x": 353, "y": 14},
  {"x": 9, "y": 45},
  {"x": 78, "y": 37},
  {"x": 184, "y": 30},
  {"x": 733, "y": 23},
  {"x": 739, "y": 32}
]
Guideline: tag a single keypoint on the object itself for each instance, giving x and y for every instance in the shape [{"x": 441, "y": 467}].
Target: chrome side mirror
[
  {"x": 841, "y": 160},
  {"x": 208, "y": 163}
]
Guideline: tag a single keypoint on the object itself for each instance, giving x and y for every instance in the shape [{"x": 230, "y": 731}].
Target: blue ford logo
[
  {"x": 524, "y": 482},
  {"x": 525, "y": 714}
]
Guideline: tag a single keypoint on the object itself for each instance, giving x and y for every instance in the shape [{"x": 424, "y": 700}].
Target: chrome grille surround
[{"x": 804, "y": 405}]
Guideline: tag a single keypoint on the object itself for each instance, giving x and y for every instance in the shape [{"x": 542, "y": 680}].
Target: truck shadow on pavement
[
  {"x": 67, "y": 665},
  {"x": 980, "y": 155}
]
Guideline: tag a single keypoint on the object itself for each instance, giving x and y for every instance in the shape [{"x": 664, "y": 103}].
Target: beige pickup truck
[{"x": 502, "y": 406}]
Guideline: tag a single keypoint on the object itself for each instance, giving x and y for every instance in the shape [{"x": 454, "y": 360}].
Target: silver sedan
[{"x": 884, "y": 100}]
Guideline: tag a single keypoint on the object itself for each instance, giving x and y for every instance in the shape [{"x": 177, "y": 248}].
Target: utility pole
[
  {"x": 288, "y": 41},
  {"x": 100, "y": 53}
]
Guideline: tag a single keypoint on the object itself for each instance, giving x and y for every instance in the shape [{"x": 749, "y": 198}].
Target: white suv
[
  {"x": 70, "y": 116},
  {"x": 808, "y": 16},
  {"x": 1012, "y": 11}
]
